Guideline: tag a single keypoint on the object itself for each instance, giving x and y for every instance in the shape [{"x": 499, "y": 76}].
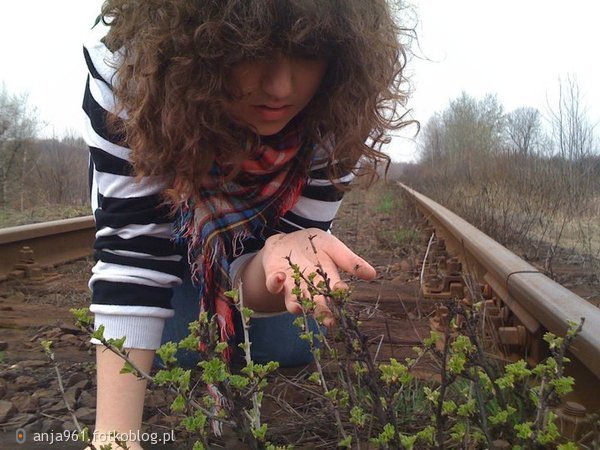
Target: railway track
[
  {"x": 29, "y": 251},
  {"x": 522, "y": 302}
]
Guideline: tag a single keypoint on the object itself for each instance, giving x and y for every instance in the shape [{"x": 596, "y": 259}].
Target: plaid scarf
[{"x": 229, "y": 212}]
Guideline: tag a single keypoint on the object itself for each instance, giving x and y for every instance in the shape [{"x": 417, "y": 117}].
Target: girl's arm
[
  {"x": 137, "y": 264},
  {"x": 120, "y": 400}
]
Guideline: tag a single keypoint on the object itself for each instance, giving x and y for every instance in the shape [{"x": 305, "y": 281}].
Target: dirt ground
[{"x": 29, "y": 395}]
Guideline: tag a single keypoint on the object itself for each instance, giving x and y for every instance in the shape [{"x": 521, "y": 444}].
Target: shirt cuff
[
  {"x": 140, "y": 331},
  {"x": 235, "y": 270}
]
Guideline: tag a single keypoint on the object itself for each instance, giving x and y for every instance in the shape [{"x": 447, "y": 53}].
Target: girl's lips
[{"x": 270, "y": 114}]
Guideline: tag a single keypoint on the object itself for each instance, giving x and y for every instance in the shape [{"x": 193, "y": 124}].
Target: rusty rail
[
  {"x": 52, "y": 243},
  {"x": 536, "y": 300}
]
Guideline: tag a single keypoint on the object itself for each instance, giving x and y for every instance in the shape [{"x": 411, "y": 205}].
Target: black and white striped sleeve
[
  {"x": 137, "y": 262},
  {"x": 320, "y": 199}
]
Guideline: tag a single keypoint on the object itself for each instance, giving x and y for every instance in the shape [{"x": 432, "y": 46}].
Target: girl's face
[{"x": 270, "y": 92}]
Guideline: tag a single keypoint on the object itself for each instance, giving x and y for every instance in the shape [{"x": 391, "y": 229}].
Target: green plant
[
  {"x": 479, "y": 401},
  {"x": 229, "y": 399},
  {"x": 475, "y": 400}
]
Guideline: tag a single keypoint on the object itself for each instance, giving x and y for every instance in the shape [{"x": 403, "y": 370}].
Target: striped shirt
[{"x": 137, "y": 263}]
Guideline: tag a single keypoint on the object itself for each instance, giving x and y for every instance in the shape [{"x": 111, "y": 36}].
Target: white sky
[{"x": 517, "y": 49}]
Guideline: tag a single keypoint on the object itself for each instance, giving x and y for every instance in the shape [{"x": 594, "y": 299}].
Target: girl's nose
[{"x": 277, "y": 78}]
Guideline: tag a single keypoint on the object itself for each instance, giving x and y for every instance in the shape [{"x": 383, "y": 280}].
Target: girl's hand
[{"x": 332, "y": 254}]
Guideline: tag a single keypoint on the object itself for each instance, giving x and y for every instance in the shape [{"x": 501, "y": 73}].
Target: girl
[{"x": 222, "y": 134}]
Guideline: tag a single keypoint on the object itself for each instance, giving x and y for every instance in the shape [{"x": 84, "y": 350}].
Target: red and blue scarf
[{"x": 228, "y": 212}]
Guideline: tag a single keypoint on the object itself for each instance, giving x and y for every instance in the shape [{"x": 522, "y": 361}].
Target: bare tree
[
  {"x": 573, "y": 133},
  {"x": 18, "y": 126},
  {"x": 431, "y": 142},
  {"x": 523, "y": 129},
  {"x": 61, "y": 170}
]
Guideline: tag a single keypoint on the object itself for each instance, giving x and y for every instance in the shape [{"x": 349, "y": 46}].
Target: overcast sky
[{"x": 517, "y": 49}]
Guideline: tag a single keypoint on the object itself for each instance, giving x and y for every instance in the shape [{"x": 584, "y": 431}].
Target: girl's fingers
[
  {"x": 340, "y": 285},
  {"x": 347, "y": 260},
  {"x": 276, "y": 282},
  {"x": 332, "y": 254},
  {"x": 291, "y": 302},
  {"x": 322, "y": 312},
  {"x": 296, "y": 246}
]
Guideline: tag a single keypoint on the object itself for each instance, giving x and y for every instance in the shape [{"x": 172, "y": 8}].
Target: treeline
[
  {"x": 37, "y": 173},
  {"x": 527, "y": 179}
]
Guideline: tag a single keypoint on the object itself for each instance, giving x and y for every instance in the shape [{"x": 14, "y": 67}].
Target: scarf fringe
[{"x": 215, "y": 230}]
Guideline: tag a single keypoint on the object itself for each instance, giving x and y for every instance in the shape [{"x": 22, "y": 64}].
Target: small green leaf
[
  {"x": 346, "y": 442},
  {"x": 189, "y": 343},
  {"x": 46, "y": 344},
  {"x": 214, "y": 370},
  {"x": 524, "y": 430},
  {"x": 127, "y": 368},
  {"x": 260, "y": 433},
  {"x": 315, "y": 378},
  {"x": 84, "y": 435},
  {"x": 221, "y": 347},
  {"x": 247, "y": 313},
  {"x": 332, "y": 395},
  {"x": 567, "y": 446},
  {"x": 117, "y": 343},
  {"x": 408, "y": 442},
  {"x": 195, "y": 423},
  {"x": 167, "y": 352},
  {"x": 448, "y": 407},
  {"x": 232, "y": 294},
  {"x": 501, "y": 417},
  {"x": 358, "y": 416},
  {"x": 99, "y": 333},
  {"x": 178, "y": 404},
  {"x": 83, "y": 317},
  {"x": 238, "y": 382}
]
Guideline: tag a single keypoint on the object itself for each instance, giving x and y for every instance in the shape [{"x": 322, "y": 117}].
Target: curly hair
[{"x": 174, "y": 61}]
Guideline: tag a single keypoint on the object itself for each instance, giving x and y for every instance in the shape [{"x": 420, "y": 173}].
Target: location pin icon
[{"x": 20, "y": 435}]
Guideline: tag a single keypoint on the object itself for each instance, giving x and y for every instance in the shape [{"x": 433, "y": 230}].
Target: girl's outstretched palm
[{"x": 331, "y": 253}]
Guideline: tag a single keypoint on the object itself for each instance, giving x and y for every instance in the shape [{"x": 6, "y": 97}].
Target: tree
[
  {"x": 464, "y": 134},
  {"x": 575, "y": 143},
  {"x": 431, "y": 143},
  {"x": 62, "y": 170},
  {"x": 18, "y": 126},
  {"x": 573, "y": 134},
  {"x": 523, "y": 130}
]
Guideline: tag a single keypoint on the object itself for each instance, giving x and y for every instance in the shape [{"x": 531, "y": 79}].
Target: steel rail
[
  {"x": 52, "y": 242},
  {"x": 519, "y": 284}
]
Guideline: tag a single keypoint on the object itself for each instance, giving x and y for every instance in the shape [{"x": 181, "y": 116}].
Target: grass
[
  {"x": 404, "y": 236},
  {"x": 390, "y": 200},
  {"x": 13, "y": 217}
]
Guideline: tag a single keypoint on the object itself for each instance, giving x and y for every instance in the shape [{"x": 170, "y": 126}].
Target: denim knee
[{"x": 273, "y": 338}]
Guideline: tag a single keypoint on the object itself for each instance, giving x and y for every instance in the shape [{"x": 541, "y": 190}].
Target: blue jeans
[{"x": 273, "y": 338}]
